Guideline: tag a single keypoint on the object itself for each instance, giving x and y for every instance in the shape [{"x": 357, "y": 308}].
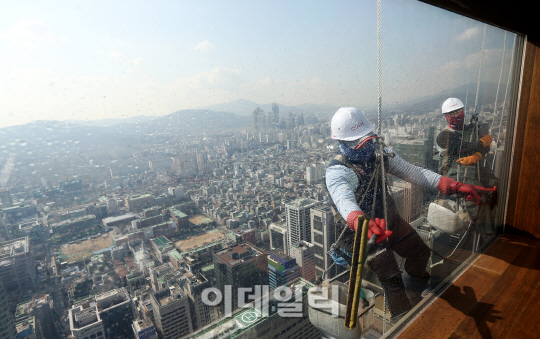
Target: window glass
[{"x": 184, "y": 154}]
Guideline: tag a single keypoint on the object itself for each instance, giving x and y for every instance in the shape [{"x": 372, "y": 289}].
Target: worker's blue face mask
[{"x": 359, "y": 155}]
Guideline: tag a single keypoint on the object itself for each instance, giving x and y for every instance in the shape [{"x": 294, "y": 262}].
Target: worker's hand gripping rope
[{"x": 376, "y": 226}]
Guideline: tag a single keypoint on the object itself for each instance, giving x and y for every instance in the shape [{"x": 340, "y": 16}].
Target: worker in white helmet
[
  {"x": 455, "y": 146},
  {"x": 347, "y": 180}
]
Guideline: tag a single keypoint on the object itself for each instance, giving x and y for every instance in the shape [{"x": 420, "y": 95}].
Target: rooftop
[
  {"x": 14, "y": 247},
  {"x": 160, "y": 241},
  {"x": 242, "y": 319},
  {"x": 119, "y": 218}
]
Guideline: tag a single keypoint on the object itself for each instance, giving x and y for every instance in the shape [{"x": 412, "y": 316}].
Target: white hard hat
[
  {"x": 350, "y": 124},
  {"x": 451, "y": 104}
]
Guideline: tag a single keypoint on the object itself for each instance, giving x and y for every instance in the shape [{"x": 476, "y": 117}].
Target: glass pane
[{"x": 161, "y": 162}]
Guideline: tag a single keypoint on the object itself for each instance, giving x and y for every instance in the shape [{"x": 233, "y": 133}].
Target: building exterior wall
[{"x": 323, "y": 236}]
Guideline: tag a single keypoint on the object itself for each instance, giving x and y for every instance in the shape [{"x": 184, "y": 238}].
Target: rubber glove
[
  {"x": 377, "y": 226},
  {"x": 450, "y": 186},
  {"x": 470, "y": 160},
  {"x": 486, "y": 140}
]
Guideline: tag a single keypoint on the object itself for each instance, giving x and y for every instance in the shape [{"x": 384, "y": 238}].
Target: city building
[
  {"x": 144, "y": 329},
  {"x": 278, "y": 237},
  {"x": 298, "y": 220},
  {"x": 84, "y": 322},
  {"x": 202, "y": 314},
  {"x": 323, "y": 235},
  {"x": 409, "y": 199},
  {"x": 139, "y": 201},
  {"x": 177, "y": 192},
  {"x": 38, "y": 308},
  {"x": 119, "y": 220},
  {"x": 180, "y": 218},
  {"x": 304, "y": 253},
  {"x": 106, "y": 316},
  {"x": 282, "y": 270},
  {"x": 17, "y": 267},
  {"x": 7, "y": 325},
  {"x": 26, "y": 328},
  {"x": 161, "y": 246},
  {"x": 315, "y": 173},
  {"x": 418, "y": 152},
  {"x": 172, "y": 315},
  {"x": 241, "y": 265}
]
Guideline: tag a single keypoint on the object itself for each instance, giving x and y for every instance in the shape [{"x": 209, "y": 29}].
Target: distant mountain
[
  {"x": 245, "y": 108},
  {"x": 466, "y": 93},
  {"x": 42, "y": 135}
]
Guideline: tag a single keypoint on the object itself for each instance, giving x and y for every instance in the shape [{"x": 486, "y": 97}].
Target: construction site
[{"x": 17, "y": 267}]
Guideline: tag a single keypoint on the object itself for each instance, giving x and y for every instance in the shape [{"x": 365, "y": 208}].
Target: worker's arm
[
  {"x": 452, "y": 142},
  {"x": 422, "y": 177},
  {"x": 342, "y": 183}
]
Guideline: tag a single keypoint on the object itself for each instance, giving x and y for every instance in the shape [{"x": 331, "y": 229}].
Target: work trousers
[{"x": 407, "y": 244}]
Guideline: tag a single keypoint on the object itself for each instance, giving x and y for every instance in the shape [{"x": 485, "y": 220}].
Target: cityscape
[{"x": 122, "y": 242}]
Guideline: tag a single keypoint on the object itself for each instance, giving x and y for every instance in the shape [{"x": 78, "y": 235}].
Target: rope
[
  {"x": 379, "y": 73},
  {"x": 504, "y": 102},
  {"x": 499, "y": 83},
  {"x": 474, "y": 118}
]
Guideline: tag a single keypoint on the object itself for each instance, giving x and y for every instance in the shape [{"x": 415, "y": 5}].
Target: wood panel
[
  {"x": 446, "y": 313},
  {"x": 519, "y": 138},
  {"x": 499, "y": 256},
  {"x": 497, "y": 297},
  {"x": 499, "y": 309},
  {"x": 527, "y": 201}
]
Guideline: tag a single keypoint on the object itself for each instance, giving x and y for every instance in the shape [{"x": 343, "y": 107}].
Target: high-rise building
[
  {"x": 202, "y": 314},
  {"x": 256, "y": 118},
  {"x": 185, "y": 164},
  {"x": 418, "y": 152},
  {"x": 240, "y": 265},
  {"x": 172, "y": 314},
  {"x": 17, "y": 267},
  {"x": 40, "y": 310},
  {"x": 5, "y": 198},
  {"x": 7, "y": 325},
  {"x": 282, "y": 270},
  {"x": 409, "y": 199},
  {"x": 116, "y": 312},
  {"x": 278, "y": 237},
  {"x": 298, "y": 220},
  {"x": 263, "y": 320},
  {"x": 275, "y": 116},
  {"x": 304, "y": 253},
  {"x": 323, "y": 235},
  {"x": 106, "y": 316},
  {"x": 315, "y": 173}
]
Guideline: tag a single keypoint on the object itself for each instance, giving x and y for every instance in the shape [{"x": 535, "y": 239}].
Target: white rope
[
  {"x": 475, "y": 114},
  {"x": 504, "y": 102},
  {"x": 499, "y": 83},
  {"x": 379, "y": 124},
  {"x": 379, "y": 74}
]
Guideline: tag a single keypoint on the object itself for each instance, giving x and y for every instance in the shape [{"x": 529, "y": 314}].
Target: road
[{"x": 5, "y": 174}]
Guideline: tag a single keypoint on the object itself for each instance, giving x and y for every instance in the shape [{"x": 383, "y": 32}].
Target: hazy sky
[{"x": 104, "y": 59}]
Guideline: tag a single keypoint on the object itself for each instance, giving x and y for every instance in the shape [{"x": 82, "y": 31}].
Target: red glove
[
  {"x": 377, "y": 226},
  {"x": 449, "y": 186}
]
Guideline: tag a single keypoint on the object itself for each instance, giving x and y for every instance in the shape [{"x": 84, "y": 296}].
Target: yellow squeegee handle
[{"x": 357, "y": 268}]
